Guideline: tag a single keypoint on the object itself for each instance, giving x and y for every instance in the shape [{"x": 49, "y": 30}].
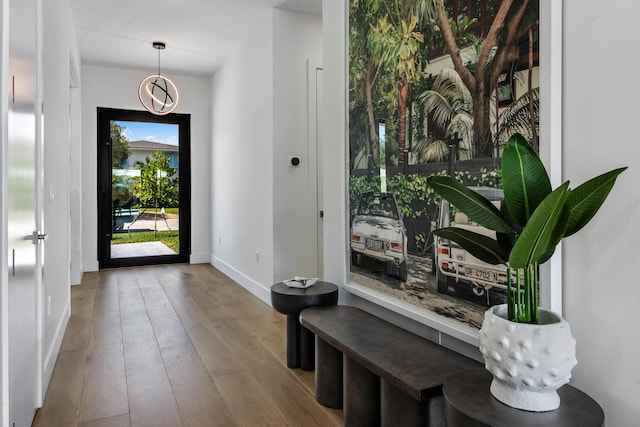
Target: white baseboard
[
  {"x": 262, "y": 292},
  {"x": 91, "y": 266},
  {"x": 203, "y": 258},
  {"x": 54, "y": 349}
]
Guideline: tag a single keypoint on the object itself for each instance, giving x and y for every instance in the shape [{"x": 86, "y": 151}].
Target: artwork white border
[{"x": 551, "y": 154}]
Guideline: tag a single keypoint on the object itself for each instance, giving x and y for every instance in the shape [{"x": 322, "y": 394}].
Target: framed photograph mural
[{"x": 435, "y": 87}]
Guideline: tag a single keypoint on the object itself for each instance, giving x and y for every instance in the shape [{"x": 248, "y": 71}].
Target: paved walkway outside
[
  {"x": 147, "y": 221},
  {"x": 131, "y": 250}
]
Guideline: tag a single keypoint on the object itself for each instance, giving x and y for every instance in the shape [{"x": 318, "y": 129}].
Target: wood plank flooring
[{"x": 175, "y": 345}]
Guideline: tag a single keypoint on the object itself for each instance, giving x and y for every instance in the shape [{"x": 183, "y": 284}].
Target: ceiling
[{"x": 199, "y": 34}]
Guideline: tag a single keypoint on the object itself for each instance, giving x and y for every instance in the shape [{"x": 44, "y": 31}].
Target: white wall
[
  {"x": 59, "y": 48},
  {"x": 263, "y": 220},
  {"x": 242, "y": 161},
  {"x": 117, "y": 88},
  {"x": 599, "y": 112},
  {"x": 294, "y": 188}
]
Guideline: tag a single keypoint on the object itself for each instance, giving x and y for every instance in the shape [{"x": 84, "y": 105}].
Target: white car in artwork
[
  {"x": 454, "y": 266},
  {"x": 378, "y": 232}
]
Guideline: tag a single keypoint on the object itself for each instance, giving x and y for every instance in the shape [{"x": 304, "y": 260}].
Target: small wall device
[{"x": 294, "y": 160}]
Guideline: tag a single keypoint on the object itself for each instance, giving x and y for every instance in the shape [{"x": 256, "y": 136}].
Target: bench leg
[
  {"x": 293, "y": 341},
  {"x": 328, "y": 378},
  {"x": 361, "y": 396},
  {"x": 398, "y": 409},
  {"x": 307, "y": 349},
  {"x": 437, "y": 412}
]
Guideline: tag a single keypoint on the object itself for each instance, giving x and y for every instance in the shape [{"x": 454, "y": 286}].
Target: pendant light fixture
[{"x": 157, "y": 93}]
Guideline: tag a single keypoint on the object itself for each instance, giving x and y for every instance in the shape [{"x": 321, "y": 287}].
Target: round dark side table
[
  {"x": 469, "y": 403},
  {"x": 291, "y": 301}
]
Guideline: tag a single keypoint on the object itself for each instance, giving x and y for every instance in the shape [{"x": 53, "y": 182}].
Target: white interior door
[
  {"x": 23, "y": 182},
  {"x": 314, "y": 79}
]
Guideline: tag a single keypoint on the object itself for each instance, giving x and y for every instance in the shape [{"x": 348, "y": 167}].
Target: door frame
[
  {"x": 314, "y": 137},
  {"x": 105, "y": 116}
]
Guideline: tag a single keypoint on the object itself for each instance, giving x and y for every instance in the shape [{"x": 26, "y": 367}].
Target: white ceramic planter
[{"x": 528, "y": 362}]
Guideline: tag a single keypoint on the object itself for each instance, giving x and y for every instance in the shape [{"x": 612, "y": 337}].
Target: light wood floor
[{"x": 175, "y": 345}]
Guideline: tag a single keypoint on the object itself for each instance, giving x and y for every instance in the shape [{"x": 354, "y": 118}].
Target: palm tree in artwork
[
  {"x": 449, "y": 107},
  {"x": 518, "y": 117},
  {"x": 513, "y": 20},
  {"x": 385, "y": 55},
  {"x": 398, "y": 46}
]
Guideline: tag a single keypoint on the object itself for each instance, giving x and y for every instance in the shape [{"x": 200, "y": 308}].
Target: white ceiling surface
[{"x": 199, "y": 34}]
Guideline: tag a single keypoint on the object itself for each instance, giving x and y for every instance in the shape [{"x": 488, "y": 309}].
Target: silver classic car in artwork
[
  {"x": 378, "y": 232},
  {"x": 455, "y": 266}
]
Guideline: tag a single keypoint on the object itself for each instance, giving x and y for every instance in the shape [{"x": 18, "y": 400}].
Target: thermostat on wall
[{"x": 294, "y": 160}]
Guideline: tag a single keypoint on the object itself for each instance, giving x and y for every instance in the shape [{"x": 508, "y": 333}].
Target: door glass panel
[
  {"x": 144, "y": 189},
  {"x": 23, "y": 182}
]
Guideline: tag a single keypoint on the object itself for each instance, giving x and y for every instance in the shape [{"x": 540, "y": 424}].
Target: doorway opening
[{"x": 144, "y": 188}]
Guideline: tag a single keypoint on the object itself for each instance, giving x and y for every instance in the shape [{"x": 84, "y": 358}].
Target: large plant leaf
[
  {"x": 504, "y": 210},
  {"x": 506, "y": 242},
  {"x": 586, "y": 199},
  {"x": 546, "y": 256},
  {"x": 544, "y": 230},
  {"x": 524, "y": 179},
  {"x": 480, "y": 246},
  {"x": 475, "y": 206}
]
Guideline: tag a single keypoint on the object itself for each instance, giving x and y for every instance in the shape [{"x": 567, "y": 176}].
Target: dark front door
[{"x": 144, "y": 188}]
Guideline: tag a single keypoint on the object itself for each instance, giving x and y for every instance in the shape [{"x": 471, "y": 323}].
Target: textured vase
[{"x": 528, "y": 362}]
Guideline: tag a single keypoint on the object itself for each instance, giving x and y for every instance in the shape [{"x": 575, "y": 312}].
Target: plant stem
[
  {"x": 511, "y": 305},
  {"x": 535, "y": 292},
  {"x": 519, "y": 298},
  {"x": 523, "y": 297}
]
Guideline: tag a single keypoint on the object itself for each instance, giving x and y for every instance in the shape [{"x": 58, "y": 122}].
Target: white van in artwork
[{"x": 453, "y": 266}]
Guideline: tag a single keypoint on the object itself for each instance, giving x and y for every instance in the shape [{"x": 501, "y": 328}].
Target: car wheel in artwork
[
  {"x": 433, "y": 264},
  {"x": 478, "y": 290},
  {"x": 402, "y": 271},
  {"x": 442, "y": 282}
]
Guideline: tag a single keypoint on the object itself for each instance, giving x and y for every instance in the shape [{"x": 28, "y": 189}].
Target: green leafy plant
[
  {"x": 530, "y": 223},
  {"x": 158, "y": 185}
]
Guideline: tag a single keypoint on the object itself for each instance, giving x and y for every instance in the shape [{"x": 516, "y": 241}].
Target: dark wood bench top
[{"x": 411, "y": 363}]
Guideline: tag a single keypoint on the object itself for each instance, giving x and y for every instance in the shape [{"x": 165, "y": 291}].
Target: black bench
[{"x": 391, "y": 376}]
